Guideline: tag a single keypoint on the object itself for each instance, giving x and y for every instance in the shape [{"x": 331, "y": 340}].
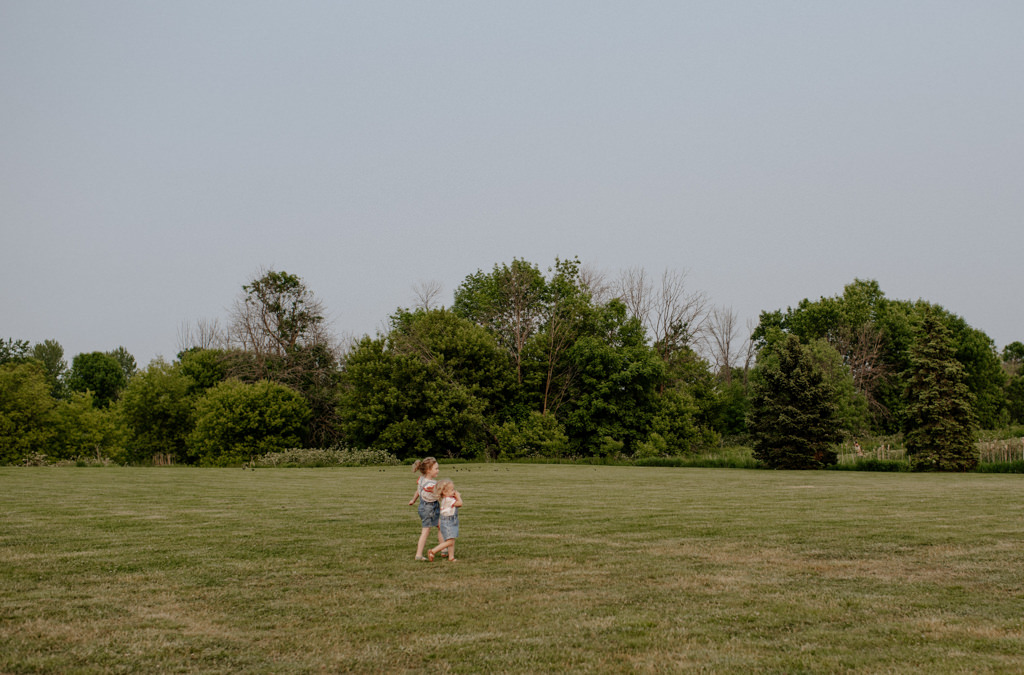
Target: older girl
[{"x": 428, "y": 509}]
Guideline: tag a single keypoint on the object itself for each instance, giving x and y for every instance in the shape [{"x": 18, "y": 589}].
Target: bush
[
  {"x": 872, "y": 464},
  {"x": 1001, "y": 467},
  {"x": 537, "y": 436},
  {"x": 318, "y": 457},
  {"x": 236, "y": 421}
]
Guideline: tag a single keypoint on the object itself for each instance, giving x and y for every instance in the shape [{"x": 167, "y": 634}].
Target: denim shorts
[
  {"x": 429, "y": 513},
  {"x": 449, "y": 527}
]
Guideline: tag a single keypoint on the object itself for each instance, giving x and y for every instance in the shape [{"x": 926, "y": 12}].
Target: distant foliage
[
  {"x": 525, "y": 365},
  {"x": 435, "y": 385},
  {"x": 158, "y": 411},
  {"x": 794, "y": 417},
  {"x": 318, "y": 457},
  {"x": 535, "y": 436},
  {"x": 940, "y": 419},
  {"x": 100, "y": 373},
  {"x": 26, "y": 411},
  {"x": 236, "y": 421}
]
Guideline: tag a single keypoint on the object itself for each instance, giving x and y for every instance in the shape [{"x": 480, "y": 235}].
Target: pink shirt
[{"x": 448, "y": 506}]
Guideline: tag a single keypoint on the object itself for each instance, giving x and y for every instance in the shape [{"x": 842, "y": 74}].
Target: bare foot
[
  {"x": 453, "y": 560},
  {"x": 430, "y": 556}
]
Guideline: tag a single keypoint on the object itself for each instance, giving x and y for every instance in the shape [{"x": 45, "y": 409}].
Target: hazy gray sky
[{"x": 155, "y": 155}]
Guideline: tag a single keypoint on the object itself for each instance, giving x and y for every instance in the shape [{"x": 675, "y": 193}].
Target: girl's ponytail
[{"x": 423, "y": 465}]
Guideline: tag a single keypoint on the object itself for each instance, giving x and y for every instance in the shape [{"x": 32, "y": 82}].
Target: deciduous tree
[
  {"x": 51, "y": 355},
  {"x": 435, "y": 385},
  {"x": 99, "y": 373},
  {"x": 158, "y": 410},
  {"x": 276, "y": 314},
  {"x": 236, "y": 421},
  {"x": 26, "y": 411},
  {"x": 510, "y": 302}
]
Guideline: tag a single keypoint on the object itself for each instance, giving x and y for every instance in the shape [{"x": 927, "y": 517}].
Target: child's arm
[
  {"x": 415, "y": 496},
  {"x": 458, "y": 498}
]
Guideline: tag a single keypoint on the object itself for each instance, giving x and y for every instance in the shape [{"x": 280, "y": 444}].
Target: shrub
[
  {"x": 872, "y": 464},
  {"x": 318, "y": 457},
  {"x": 1001, "y": 467},
  {"x": 538, "y": 436},
  {"x": 236, "y": 421}
]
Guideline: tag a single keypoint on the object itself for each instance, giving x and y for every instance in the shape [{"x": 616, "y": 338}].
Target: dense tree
[
  {"x": 158, "y": 410},
  {"x": 870, "y": 333},
  {"x": 547, "y": 370},
  {"x": 314, "y": 372},
  {"x": 126, "y": 361},
  {"x": 278, "y": 332},
  {"x": 1013, "y": 357},
  {"x": 13, "y": 350},
  {"x": 51, "y": 355},
  {"x": 852, "y": 411},
  {"x": 940, "y": 421},
  {"x": 535, "y": 435},
  {"x": 676, "y": 422},
  {"x": 99, "y": 373},
  {"x": 875, "y": 335},
  {"x": 236, "y": 421},
  {"x": 34, "y": 424},
  {"x": 1015, "y": 398},
  {"x": 613, "y": 391},
  {"x": 436, "y": 384},
  {"x": 793, "y": 415},
  {"x": 204, "y": 368},
  {"x": 26, "y": 411},
  {"x": 85, "y": 431},
  {"x": 510, "y": 302}
]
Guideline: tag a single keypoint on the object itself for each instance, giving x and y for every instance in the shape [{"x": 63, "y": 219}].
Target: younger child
[
  {"x": 428, "y": 509},
  {"x": 451, "y": 500}
]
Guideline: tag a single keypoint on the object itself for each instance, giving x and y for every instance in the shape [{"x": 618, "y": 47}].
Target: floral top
[{"x": 425, "y": 486}]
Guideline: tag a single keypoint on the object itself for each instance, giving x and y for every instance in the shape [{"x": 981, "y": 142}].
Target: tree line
[{"x": 524, "y": 363}]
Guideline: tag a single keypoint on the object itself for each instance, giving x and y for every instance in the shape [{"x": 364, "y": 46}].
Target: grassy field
[{"x": 562, "y": 568}]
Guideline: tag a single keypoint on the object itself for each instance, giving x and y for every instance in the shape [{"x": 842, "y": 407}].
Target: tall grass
[
  {"x": 998, "y": 454},
  {"x": 562, "y": 569}
]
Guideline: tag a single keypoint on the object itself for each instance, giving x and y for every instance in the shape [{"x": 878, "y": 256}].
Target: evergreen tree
[
  {"x": 940, "y": 421},
  {"x": 794, "y": 415}
]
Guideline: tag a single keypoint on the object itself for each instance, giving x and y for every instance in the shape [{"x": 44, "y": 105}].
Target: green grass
[{"x": 562, "y": 568}]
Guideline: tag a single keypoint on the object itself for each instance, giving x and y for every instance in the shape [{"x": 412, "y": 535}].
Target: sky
[{"x": 156, "y": 156}]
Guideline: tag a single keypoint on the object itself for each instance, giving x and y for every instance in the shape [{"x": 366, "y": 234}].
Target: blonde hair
[
  {"x": 423, "y": 465},
  {"x": 442, "y": 486}
]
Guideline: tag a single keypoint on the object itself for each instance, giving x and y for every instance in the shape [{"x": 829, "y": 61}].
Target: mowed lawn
[{"x": 561, "y": 568}]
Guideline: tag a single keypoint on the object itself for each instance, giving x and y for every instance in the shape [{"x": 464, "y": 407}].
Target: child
[
  {"x": 451, "y": 500},
  {"x": 429, "y": 508}
]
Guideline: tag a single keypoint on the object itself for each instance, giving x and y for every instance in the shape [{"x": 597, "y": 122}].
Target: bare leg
[
  {"x": 422, "y": 542},
  {"x": 447, "y": 545},
  {"x": 451, "y": 551}
]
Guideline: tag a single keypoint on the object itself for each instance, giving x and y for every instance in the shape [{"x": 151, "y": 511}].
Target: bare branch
[
  {"x": 635, "y": 291},
  {"x": 595, "y": 282},
  {"x": 425, "y": 294},
  {"x": 206, "y": 334}
]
